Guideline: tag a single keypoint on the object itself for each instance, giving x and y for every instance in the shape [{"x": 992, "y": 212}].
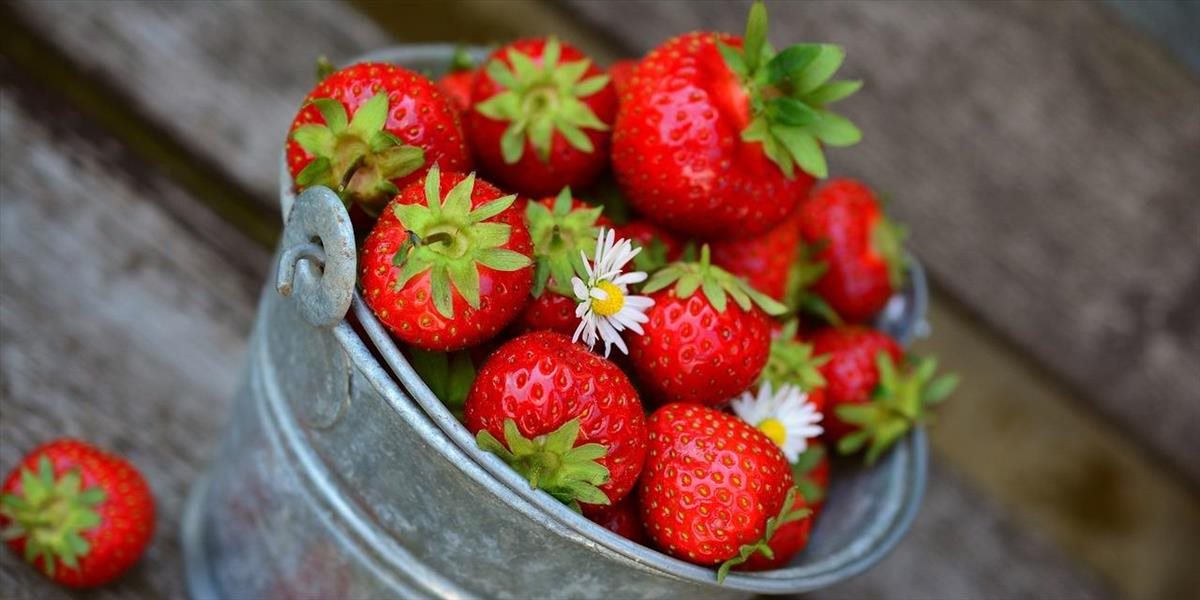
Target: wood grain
[
  {"x": 121, "y": 324},
  {"x": 224, "y": 80},
  {"x": 159, "y": 300},
  {"x": 1044, "y": 158},
  {"x": 962, "y": 547}
]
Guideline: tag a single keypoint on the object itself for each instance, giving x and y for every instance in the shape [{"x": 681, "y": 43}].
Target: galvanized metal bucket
[{"x": 341, "y": 475}]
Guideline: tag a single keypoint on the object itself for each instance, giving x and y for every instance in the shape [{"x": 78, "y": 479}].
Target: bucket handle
[{"x": 317, "y": 259}]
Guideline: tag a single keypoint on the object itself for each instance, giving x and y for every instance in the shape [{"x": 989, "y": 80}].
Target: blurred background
[{"x": 1044, "y": 155}]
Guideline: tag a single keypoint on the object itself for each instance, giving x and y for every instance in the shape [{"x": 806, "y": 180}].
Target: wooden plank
[
  {"x": 1028, "y": 445},
  {"x": 159, "y": 303},
  {"x": 123, "y": 311},
  {"x": 962, "y": 547},
  {"x": 222, "y": 80},
  {"x": 1043, "y": 155}
]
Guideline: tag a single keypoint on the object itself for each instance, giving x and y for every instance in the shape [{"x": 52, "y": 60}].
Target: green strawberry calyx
[
  {"x": 805, "y": 271},
  {"x": 552, "y": 462},
  {"x": 715, "y": 282},
  {"x": 540, "y": 100},
  {"x": 789, "y": 91},
  {"x": 51, "y": 515},
  {"x": 791, "y": 361},
  {"x": 899, "y": 401},
  {"x": 787, "y": 513},
  {"x": 887, "y": 238},
  {"x": 652, "y": 257},
  {"x": 355, "y": 155},
  {"x": 461, "y": 60},
  {"x": 559, "y": 234},
  {"x": 451, "y": 240},
  {"x": 810, "y": 490}
]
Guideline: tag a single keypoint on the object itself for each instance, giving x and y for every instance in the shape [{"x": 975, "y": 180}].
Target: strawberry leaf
[
  {"x": 791, "y": 60},
  {"x": 820, "y": 69},
  {"x": 370, "y": 116},
  {"x": 756, "y": 36},
  {"x": 733, "y": 59},
  {"x": 333, "y": 112}
]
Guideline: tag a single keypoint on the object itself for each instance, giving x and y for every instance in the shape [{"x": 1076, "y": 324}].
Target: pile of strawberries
[
  {"x": 737, "y": 295},
  {"x": 625, "y": 281}
]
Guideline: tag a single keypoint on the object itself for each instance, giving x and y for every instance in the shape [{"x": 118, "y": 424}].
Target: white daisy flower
[
  {"x": 605, "y": 306},
  {"x": 786, "y": 416}
]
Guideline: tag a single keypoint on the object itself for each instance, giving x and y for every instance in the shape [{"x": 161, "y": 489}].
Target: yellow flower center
[
  {"x": 610, "y": 305},
  {"x": 774, "y": 430}
]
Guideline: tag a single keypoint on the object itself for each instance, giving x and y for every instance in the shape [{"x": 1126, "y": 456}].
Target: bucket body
[{"x": 341, "y": 476}]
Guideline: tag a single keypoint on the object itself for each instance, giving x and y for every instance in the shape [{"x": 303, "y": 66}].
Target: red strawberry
[
  {"x": 659, "y": 246},
  {"x": 370, "y": 129},
  {"x": 570, "y": 420},
  {"x": 80, "y": 515},
  {"x": 874, "y": 394},
  {"x": 811, "y": 473},
  {"x": 715, "y": 490},
  {"x": 708, "y": 134},
  {"x": 540, "y": 118},
  {"x": 447, "y": 264},
  {"x": 766, "y": 261},
  {"x": 849, "y": 370},
  {"x": 623, "y": 518},
  {"x": 858, "y": 246},
  {"x": 699, "y": 347},
  {"x": 621, "y": 73},
  {"x": 456, "y": 83},
  {"x": 561, "y": 228},
  {"x": 551, "y": 311}
]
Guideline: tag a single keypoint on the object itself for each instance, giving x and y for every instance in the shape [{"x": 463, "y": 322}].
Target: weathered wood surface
[
  {"x": 123, "y": 311},
  {"x": 159, "y": 295},
  {"x": 1044, "y": 157},
  {"x": 1026, "y": 444},
  {"x": 223, "y": 80}
]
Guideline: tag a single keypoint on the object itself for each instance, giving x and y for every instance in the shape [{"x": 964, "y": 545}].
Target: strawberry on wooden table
[
  {"x": 715, "y": 490},
  {"x": 858, "y": 248},
  {"x": 875, "y": 394},
  {"x": 567, "y": 420},
  {"x": 370, "y": 129},
  {"x": 447, "y": 265},
  {"x": 562, "y": 228},
  {"x": 707, "y": 337},
  {"x": 81, "y": 515},
  {"x": 712, "y": 128},
  {"x": 540, "y": 117}
]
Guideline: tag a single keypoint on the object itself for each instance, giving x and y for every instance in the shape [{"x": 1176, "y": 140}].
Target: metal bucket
[{"x": 341, "y": 475}]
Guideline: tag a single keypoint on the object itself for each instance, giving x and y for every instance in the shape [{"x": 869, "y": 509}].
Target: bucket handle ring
[{"x": 317, "y": 262}]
